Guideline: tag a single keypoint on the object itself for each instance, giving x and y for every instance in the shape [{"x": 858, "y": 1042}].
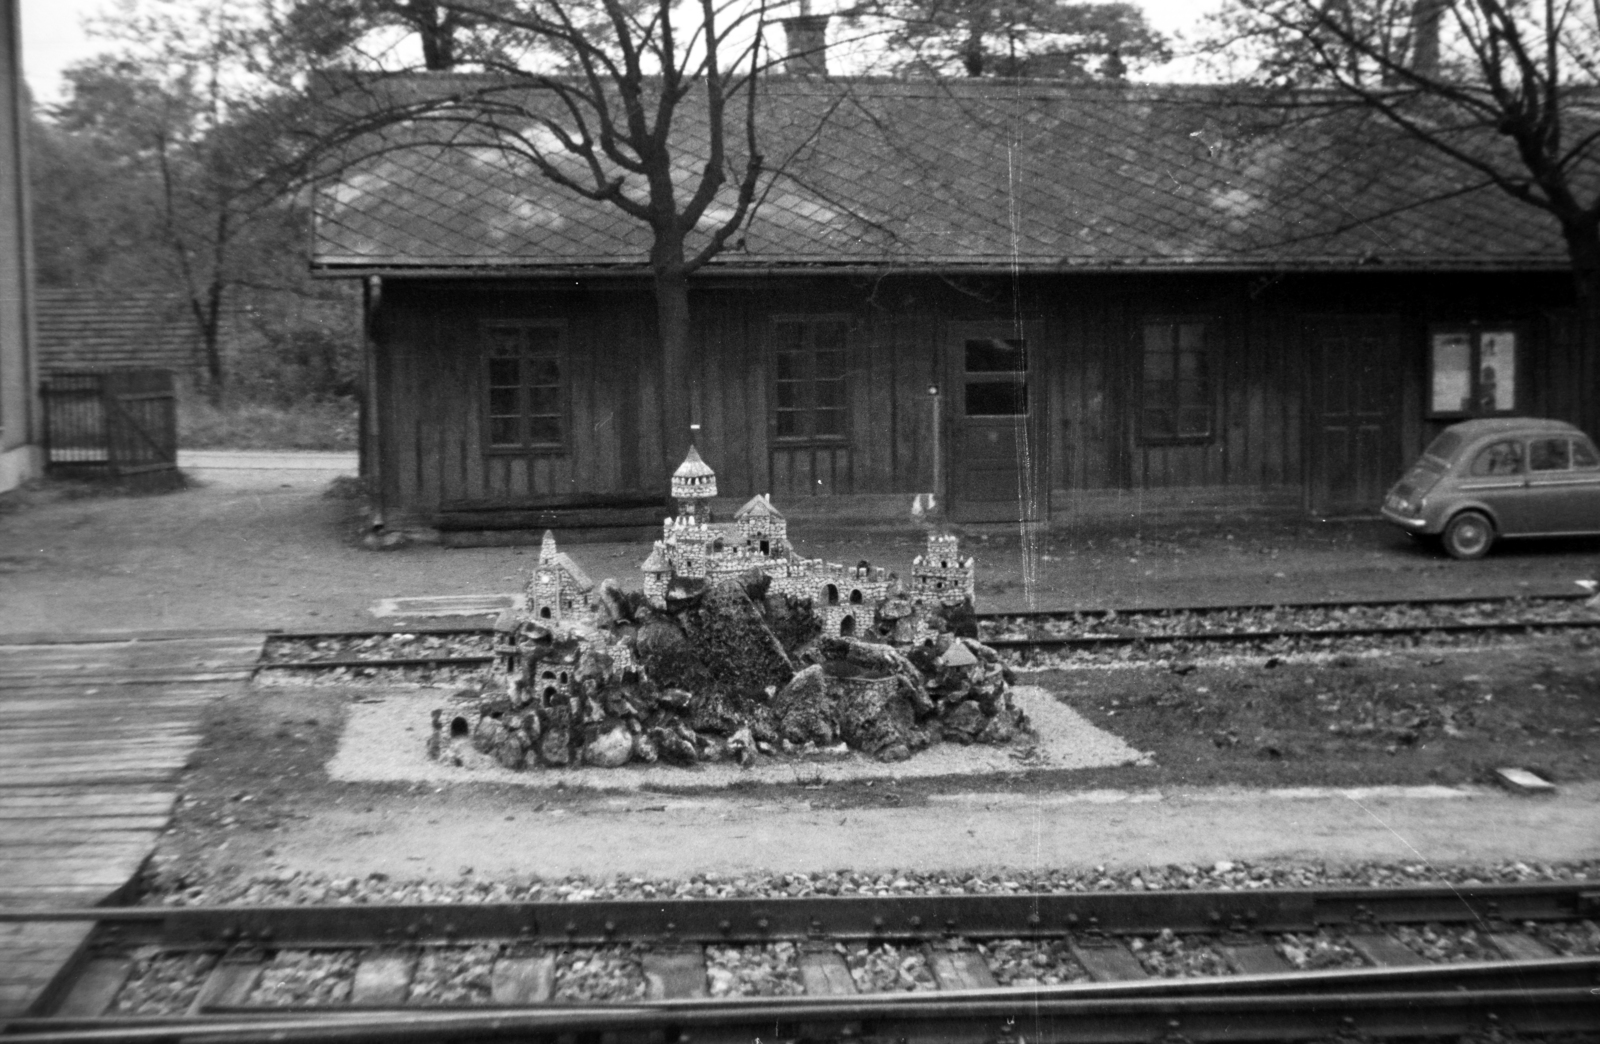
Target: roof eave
[{"x": 353, "y": 268}]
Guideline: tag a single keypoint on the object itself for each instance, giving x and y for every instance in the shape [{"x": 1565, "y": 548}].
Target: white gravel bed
[
  {"x": 599, "y": 973},
  {"x": 1032, "y": 962},
  {"x": 888, "y": 968},
  {"x": 754, "y": 971},
  {"x": 1447, "y": 944},
  {"x": 297, "y": 977},
  {"x": 1173, "y": 956},
  {"x": 278, "y": 887},
  {"x": 385, "y": 736},
  {"x": 162, "y": 983},
  {"x": 454, "y": 975},
  {"x": 1316, "y": 951},
  {"x": 1569, "y": 939}
]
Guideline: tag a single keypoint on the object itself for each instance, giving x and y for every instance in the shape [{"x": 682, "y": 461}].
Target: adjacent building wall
[
  {"x": 19, "y": 411},
  {"x": 1274, "y": 342}
]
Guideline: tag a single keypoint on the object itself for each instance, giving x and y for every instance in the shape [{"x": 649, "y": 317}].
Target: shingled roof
[
  {"x": 1031, "y": 176},
  {"x": 98, "y": 328}
]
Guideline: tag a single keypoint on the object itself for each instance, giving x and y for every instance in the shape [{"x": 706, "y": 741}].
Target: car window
[
  {"x": 1583, "y": 454},
  {"x": 1444, "y": 446},
  {"x": 1549, "y": 454},
  {"x": 1498, "y": 458}
]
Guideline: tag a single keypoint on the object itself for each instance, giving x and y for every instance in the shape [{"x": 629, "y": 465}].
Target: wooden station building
[{"x": 1035, "y": 300}]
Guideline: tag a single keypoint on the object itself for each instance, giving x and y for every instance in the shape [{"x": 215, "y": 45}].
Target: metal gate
[{"x": 112, "y": 422}]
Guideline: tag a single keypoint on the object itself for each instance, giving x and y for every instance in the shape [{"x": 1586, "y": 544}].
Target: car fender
[{"x": 1469, "y": 505}]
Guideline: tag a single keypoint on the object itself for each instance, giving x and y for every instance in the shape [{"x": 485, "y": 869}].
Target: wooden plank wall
[{"x": 1089, "y": 372}]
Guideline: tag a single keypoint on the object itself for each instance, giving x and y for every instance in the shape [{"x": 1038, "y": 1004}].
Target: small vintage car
[{"x": 1499, "y": 477}]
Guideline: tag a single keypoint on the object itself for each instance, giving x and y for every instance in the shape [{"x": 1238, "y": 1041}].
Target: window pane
[
  {"x": 1158, "y": 395},
  {"x": 1501, "y": 458},
  {"x": 1191, "y": 337},
  {"x": 1158, "y": 355},
  {"x": 1583, "y": 455},
  {"x": 830, "y": 394},
  {"x": 503, "y": 402},
  {"x": 544, "y": 429},
  {"x": 997, "y": 355},
  {"x": 1158, "y": 424},
  {"x": 544, "y": 400},
  {"x": 1194, "y": 421},
  {"x": 830, "y": 364},
  {"x": 829, "y": 422},
  {"x": 544, "y": 370},
  {"x": 787, "y": 424},
  {"x": 1452, "y": 373},
  {"x": 1191, "y": 366},
  {"x": 503, "y": 432},
  {"x": 505, "y": 341},
  {"x": 788, "y": 395},
  {"x": 1497, "y": 369},
  {"x": 505, "y": 372},
  {"x": 1191, "y": 393},
  {"x": 1548, "y": 455},
  {"x": 1001, "y": 399},
  {"x": 831, "y": 336},
  {"x": 791, "y": 366}
]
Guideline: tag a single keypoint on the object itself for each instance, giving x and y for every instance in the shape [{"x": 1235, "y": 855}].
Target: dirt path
[
  {"x": 436, "y": 835},
  {"x": 263, "y": 548}
]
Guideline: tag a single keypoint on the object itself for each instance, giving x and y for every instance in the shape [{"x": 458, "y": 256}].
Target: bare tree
[
  {"x": 650, "y": 108},
  {"x": 1504, "y": 90}
]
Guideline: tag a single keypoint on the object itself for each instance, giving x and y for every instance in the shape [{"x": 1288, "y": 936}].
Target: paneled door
[
  {"x": 1354, "y": 417},
  {"x": 996, "y": 417}
]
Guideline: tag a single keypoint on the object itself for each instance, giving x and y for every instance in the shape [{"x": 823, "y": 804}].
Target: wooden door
[
  {"x": 1355, "y": 414},
  {"x": 996, "y": 418}
]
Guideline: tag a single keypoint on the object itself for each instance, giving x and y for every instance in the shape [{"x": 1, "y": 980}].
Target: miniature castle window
[
  {"x": 809, "y": 366},
  {"x": 855, "y": 597},
  {"x": 847, "y": 627},
  {"x": 544, "y": 612},
  {"x": 459, "y": 727},
  {"x": 832, "y": 593},
  {"x": 766, "y": 547},
  {"x": 526, "y": 389}
]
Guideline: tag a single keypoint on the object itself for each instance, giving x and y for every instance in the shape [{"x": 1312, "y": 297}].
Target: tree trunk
[
  {"x": 1583, "y": 249},
  {"x": 678, "y": 385},
  {"x": 208, "y": 317}
]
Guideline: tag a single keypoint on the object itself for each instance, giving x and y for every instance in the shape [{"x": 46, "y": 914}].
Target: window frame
[
  {"x": 1475, "y": 332},
  {"x": 808, "y": 322},
  {"x": 527, "y": 447},
  {"x": 1208, "y": 388}
]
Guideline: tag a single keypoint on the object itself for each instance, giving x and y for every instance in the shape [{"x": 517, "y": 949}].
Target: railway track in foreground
[
  {"x": 1422, "y": 962},
  {"x": 1026, "y": 636}
]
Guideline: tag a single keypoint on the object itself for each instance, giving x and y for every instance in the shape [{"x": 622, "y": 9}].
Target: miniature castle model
[{"x": 848, "y": 600}]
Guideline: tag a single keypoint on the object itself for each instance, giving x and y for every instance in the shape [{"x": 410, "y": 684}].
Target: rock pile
[{"x": 726, "y": 671}]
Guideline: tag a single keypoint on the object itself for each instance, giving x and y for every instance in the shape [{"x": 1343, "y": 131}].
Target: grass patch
[
  {"x": 327, "y": 424},
  {"x": 1412, "y": 718}
]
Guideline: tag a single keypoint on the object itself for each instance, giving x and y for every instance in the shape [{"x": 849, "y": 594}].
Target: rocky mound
[{"x": 729, "y": 670}]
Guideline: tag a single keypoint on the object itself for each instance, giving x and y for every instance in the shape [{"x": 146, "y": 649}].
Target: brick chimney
[
  {"x": 807, "y": 36},
  {"x": 1425, "y": 18}
]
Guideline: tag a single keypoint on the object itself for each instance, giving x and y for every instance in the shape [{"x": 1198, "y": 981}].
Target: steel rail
[
  {"x": 928, "y": 918},
  {"x": 950, "y": 1019},
  {"x": 1275, "y": 634}
]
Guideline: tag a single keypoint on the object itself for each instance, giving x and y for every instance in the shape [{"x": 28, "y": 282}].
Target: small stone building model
[
  {"x": 856, "y": 600},
  {"x": 559, "y": 590}
]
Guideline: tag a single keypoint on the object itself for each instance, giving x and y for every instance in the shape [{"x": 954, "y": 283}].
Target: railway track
[
  {"x": 1023, "y": 636},
  {"x": 1109, "y": 966}
]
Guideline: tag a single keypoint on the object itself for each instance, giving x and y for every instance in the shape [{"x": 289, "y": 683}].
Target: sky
[{"x": 53, "y": 36}]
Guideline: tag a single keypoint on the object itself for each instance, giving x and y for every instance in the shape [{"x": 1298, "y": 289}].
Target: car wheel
[{"x": 1468, "y": 535}]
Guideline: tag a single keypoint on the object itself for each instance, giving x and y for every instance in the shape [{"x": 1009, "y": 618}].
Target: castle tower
[
  {"x": 547, "y": 548},
  {"x": 692, "y": 483}
]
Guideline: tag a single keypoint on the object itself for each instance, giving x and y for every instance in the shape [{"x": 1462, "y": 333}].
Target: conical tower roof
[
  {"x": 760, "y": 504},
  {"x": 693, "y": 466},
  {"x": 694, "y": 479}
]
